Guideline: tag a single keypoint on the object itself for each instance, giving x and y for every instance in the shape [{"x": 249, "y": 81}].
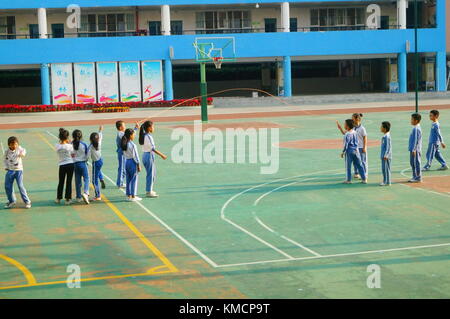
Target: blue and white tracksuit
[
  {"x": 361, "y": 133},
  {"x": 97, "y": 164},
  {"x": 13, "y": 164},
  {"x": 121, "y": 159},
  {"x": 131, "y": 162},
  {"x": 148, "y": 159},
  {"x": 352, "y": 156},
  {"x": 434, "y": 146},
  {"x": 386, "y": 158},
  {"x": 415, "y": 145},
  {"x": 81, "y": 169}
]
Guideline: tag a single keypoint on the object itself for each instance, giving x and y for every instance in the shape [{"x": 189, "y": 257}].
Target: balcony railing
[{"x": 203, "y": 31}]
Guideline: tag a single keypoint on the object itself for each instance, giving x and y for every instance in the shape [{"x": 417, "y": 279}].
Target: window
[
  {"x": 223, "y": 21},
  {"x": 107, "y": 24},
  {"x": 8, "y": 27},
  {"x": 154, "y": 27},
  {"x": 293, "y": 24},
  {"x": 337, "y": 19},
  {"x": 176, "y": 27}
]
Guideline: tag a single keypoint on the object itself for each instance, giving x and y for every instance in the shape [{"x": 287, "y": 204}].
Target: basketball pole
[
  {"x": 204, "y": 92},
  {"x": 416, "y": 56}
]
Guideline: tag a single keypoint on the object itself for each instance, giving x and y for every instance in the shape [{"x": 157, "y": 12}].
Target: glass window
[
  {"x": 350, "y": 16},
  {"x": 360, "y": 16},
  {"x": 112, "y": 22},
  {"x": 331, "y": 17},
  {"x": 130, "y": 22},
  {"x": 340, "y": 17},
  {"x": 247, "y": 21},
  {"x": 323, "y": 17},
  {"x": 200, "y": 20},
  {"x": 120, "y": 22},
  {"x": 3, "y": 25},
  {"x": 314, "y": 17},
  {"x": 101, "y": 22},
  {"x": 222, "y": 20}
]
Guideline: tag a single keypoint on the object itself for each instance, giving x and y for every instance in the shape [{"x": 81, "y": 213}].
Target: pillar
[
  {"x": 285, "y": 17},
  {"x": 165, "y": 19},
  {"x": 42, "y": 23},
  {"x": 287, "y": 76},
  {"x": 45, "y": 84},
  {"x": 168, "y": 80},
  {"x": 441, "y": 71},
  {"x": 402, "y": 73},
  {"x": 401, "y": 12}
]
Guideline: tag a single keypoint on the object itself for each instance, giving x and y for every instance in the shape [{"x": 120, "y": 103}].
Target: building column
[
  {"x": 42, "y": 23},
  {"x": 401, "y": 13},
  {"x": 168, "y": 80},
  {"x": 441, "y": 71},
  {"x": 285, "y": 17},
  {"x": 165, "y": 19},
  {"x": 287, "y": 76},
  {"x": 45, "y": 84},
  {"x": 402, "y": 73}
]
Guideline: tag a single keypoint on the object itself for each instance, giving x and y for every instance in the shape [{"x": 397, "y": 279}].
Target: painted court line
[
  {"x": 289, "y": 258},
  {"x": 336, "y": 255},
  {"x": 26, "y": 272}
]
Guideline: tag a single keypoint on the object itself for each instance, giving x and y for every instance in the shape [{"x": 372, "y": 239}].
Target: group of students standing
[
  {"x": 356, "y": 142},
  {"x": 73, "y": 156}
]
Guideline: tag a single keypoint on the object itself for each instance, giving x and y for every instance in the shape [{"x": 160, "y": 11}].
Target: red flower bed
[
  {"x": 15, "y": 108},
  {"x": 112, "y": 109}
]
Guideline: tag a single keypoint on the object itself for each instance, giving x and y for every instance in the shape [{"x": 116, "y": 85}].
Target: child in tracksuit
[
  {"x": 351, "y": 153},
  {"x": 80, "y": 166},
  {"x": 14, "y": 171},
  {"x": 120, "y": 126},
  {"x": 435, "y": 142},
  {"x": 95, "y": 153},
  {"x": 132, "y": 164},
  {"x": 386, "y": 153},
  {"x": 148, "y": 158},
  {"x": 415, "y": 148}
]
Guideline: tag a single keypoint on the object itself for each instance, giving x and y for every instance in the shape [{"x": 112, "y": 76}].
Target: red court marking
[
  {"x": 187, "y": 118},
  {"x": 439, "y": 184},
  {"x": 224, "y": 126},
  {"x": 320, "y": 144}
]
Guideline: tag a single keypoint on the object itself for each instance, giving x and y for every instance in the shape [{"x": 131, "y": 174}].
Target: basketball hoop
[{"x": 218, "y": 62}]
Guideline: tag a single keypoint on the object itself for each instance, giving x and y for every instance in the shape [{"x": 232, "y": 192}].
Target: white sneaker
[
  {"x": 28, "y": 205},
  {"x": 136, "y": 199},
  {"x": 383, "y": 184},
  {"x": 85, "y": 198},
  {"x": 10, "y": 205},
  {"x": 68, "y": 202},
  {"x": 152, "y": 194},
  {"x": 346, "y": 182},
  {"x": 79, "y": 200},
  {"x": 443, "y": 168},
  {"x": 357, "y": 176},
  {"x": 364, "y": 181},
  {"x": 415, "y": 181},
  {"x": 57, "y": 201}
]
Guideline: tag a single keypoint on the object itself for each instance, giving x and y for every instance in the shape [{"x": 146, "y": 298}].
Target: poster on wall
[
  {"x": 62, "y": 83},
  {"x": 130, "y": 81},
  {"x": 152, "y": 81},
  {"x": 107, "y": 82},
  {"x": 85, "y": 83}
]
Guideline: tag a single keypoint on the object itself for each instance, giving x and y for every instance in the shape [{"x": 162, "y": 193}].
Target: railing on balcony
[{"x": 202, "y": 31}]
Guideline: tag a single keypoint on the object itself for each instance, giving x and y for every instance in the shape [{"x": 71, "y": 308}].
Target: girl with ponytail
[
  {"x": 66, "y": 154},
  {"x": 132, "y": 164},
  {"x": 148, "y": 159},
  {"x": 95, "y": 153},
  {"x": 80, "y": 166}
]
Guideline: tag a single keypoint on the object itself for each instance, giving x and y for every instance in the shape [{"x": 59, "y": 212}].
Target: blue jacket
[
  {"x": 435, "y": 134},
  {"x": 415, "y": 139},
  {"x": 386, "y": 146},
  {"x": 350, "y": 142}
]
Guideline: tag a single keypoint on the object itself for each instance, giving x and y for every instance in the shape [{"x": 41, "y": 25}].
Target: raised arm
[{"x": 340, "y": 127}]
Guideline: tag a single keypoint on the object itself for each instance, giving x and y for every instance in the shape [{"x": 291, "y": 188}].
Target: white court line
[
  {"x": 336, "y": 255},
  {"x": 187, "y": 243},
  {"x": 3, "y": 149},
  {"x": 423, "y": 189},
  {"x": 213, "y": 264}
]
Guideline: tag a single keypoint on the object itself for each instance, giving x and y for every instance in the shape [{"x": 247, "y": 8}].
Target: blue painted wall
[
  {"x": 247, "y": 45},
  {"x": 27, "y": 4}
]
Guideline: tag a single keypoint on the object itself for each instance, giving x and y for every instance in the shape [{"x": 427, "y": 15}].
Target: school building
[{"x": 285, "y": 48}]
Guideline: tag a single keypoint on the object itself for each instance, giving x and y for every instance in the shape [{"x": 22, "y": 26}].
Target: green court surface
[{"x": 227, "y": 231}]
